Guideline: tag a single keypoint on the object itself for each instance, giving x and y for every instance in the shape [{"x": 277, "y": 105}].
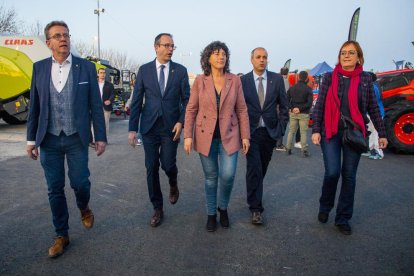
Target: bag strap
[{"x": 346, "y": 119}]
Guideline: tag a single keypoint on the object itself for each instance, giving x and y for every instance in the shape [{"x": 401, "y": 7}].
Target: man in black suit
[
  {"x": 164, "y": 85},
  {"x": 264, "y": 92},
  {"x": 107, "y": 93}
]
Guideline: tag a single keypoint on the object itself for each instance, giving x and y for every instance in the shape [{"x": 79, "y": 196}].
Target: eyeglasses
[
  {"x": 350, "y": 52},
  {"x": 168, "y": 46},
  {"x": 60, "y": 36}
]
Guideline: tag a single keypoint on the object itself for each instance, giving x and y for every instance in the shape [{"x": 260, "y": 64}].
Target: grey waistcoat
[{"x": 61, "y": 113}]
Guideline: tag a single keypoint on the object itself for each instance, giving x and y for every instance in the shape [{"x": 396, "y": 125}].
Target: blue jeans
[
  {"x": 333, "y": 169},
  {"x": 218, "y": 165},
  {"x": 53, "y": 150}
]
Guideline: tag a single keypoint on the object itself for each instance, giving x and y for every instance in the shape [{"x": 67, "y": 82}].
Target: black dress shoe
[
  {"x": 344, "y": 229},
  {"x": 211, "y": 223},
  {"x": 224, "y": 218},
  {"x": 323, "y": 217}
]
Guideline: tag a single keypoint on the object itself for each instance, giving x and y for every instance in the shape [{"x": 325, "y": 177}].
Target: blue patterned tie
[{"x": 162, "y": 80}]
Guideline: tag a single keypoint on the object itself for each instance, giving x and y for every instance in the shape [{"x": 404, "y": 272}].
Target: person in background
[
  {"x": 375, "y": 153},
  {"x": 265, "y": 96},
  {"x": 299, "y": 99},
  {"x": 64, "y": 97},
  {"x": 284, "y": 72},
  {"x": 107, "y": 93},
  {"x": 348, "y": 90},
  {"x": 217, "y": 125},
  {"x": 165, "y": 87}
]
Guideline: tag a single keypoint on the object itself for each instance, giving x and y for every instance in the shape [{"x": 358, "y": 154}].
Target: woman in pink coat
[{"x": 217, "y": 126}]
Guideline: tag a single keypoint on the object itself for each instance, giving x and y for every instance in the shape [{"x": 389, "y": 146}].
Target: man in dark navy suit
[
  {"x": 164, "y": 85},
  {"x": 264, "y": 92},
  {"x": 64, "y": 97}
]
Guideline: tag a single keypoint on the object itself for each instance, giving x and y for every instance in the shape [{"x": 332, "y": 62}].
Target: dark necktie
[
  {"x": 260, "y": 92},
  {"x": 162, "y": 80}
]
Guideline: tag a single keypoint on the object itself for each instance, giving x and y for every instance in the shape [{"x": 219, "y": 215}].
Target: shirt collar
[
  {"x": 158, "y": 64},
  {"x": 256, "y": 76},
  {"x": 67, "y": 61}
]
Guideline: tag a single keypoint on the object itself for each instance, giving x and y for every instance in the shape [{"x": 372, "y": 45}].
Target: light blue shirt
[{"x": 264, "y": 82}]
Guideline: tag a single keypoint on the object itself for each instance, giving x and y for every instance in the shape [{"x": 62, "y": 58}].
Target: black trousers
[
  {"x": 159, "y": 148},
  {"x": 258, "y": 158}
]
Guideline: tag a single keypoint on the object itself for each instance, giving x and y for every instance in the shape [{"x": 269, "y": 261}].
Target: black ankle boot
[
  {"x": 211, "y": 223},
  {"x": 224, "y": 218}
]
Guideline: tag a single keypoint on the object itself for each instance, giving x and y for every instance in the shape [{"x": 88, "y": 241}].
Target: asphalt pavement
[{"x": 291, "y": 242}]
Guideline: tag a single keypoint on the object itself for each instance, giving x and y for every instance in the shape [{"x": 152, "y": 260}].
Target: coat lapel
[
  {"x": 210, "y": 90},
  {"x": 76, "y": 66},
  {"x": 154, "y": 77},
  {"x": 171, "y": 75},
  {"x": 269, "y": 88},
  {"x": 253, "y": 91},
  {"x": 228, "y": 82}
]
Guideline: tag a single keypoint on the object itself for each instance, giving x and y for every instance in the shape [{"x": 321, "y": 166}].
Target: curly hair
[{"x": 208, "y": 51}]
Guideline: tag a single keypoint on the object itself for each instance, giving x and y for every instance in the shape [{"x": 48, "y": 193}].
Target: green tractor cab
[{"x": 15, "y": 78}]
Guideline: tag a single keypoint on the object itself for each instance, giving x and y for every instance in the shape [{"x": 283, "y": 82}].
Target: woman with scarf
[{"x": 350, "y": 91}]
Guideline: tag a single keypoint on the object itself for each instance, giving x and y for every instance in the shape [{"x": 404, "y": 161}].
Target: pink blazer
[{"x": 201, "y": 114}]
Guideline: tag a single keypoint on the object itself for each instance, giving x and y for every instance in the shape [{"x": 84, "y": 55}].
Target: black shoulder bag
[{"x": 352, "y": 135}]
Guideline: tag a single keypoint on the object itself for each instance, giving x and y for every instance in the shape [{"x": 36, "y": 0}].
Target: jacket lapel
[
  {"x": 154, "y": 76},
  {"x": 75, "y": 74},
  {"x": 228, "y": 81},
  {"x": 253, "y": 90},
  {"x": 210, "y": 89},
  {"x": 171, "y": 75},
  {"x": 269, "y": 87}
]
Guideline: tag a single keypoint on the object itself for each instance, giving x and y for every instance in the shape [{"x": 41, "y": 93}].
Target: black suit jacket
[
  {"x": 108, "y": 94},
  {"x": 275, "y": 107},
  {"x": 171, "y": 105}
]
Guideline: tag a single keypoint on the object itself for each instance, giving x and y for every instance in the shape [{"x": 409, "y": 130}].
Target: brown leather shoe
[
  {"x": 257, "y": 218},
  {"x": 58, "y": 246},
  {"x": 157, "y": 217},
  {"x": 174, "y": 194},
  {"x": 87, "y": 218}
]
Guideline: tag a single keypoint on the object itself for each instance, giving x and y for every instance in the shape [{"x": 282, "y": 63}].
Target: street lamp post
[{"x": 98, "y": 11}]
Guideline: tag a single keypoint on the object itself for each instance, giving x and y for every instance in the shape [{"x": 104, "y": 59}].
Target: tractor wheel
[
  {"x": 399, "y": 123},
  {"x": 10, "y": 119}
]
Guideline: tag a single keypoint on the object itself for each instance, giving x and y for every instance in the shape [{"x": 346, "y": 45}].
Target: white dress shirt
[
  {"x": 60, "y": 72},
  {"x": 166, "y": 71}
]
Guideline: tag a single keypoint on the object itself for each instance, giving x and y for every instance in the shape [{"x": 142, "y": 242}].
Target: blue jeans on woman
[
  {"x": 339, "y": 160},
  {"x": 218, "y": 166}
]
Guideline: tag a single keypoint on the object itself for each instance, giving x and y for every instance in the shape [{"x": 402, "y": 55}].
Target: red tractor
[{"x": 398, "y": 97}]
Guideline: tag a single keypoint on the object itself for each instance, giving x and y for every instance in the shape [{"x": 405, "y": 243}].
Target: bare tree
[
  {"x": 116, "y": 58},
  {"x": 9, "y": 22},
  {"x": 34, "y": 29}
]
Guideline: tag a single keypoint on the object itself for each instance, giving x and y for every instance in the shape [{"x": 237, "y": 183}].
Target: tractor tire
[{"x": 399, "y": 124}]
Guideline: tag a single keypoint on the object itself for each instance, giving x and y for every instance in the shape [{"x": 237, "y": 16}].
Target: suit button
[
  {"x": 230, "y": 130},
  {"x": 202, "y": 130},
  {"x": 204, "y": 117}
]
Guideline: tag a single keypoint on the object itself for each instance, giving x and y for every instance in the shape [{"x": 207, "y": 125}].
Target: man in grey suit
[
  {"x": 164, "y": 85},
  {"x": 64, "y": 97},
  {"x": 265, "y": 96}
]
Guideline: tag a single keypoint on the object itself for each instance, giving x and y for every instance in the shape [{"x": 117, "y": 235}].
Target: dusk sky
[{"x": 307, "y": 32}]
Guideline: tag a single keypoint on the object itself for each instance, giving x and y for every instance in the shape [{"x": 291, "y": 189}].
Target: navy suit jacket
[
  {"x": 275, "y": 107},
  {"x": 171, "y": 105},
  {"x": 108, "y": 93},
  {"x": 87, "y": 102}
]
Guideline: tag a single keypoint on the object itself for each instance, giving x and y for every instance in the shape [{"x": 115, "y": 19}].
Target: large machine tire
[
  {"x": 10, "y": 119},
  {"x": 399, "y": 123}
]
